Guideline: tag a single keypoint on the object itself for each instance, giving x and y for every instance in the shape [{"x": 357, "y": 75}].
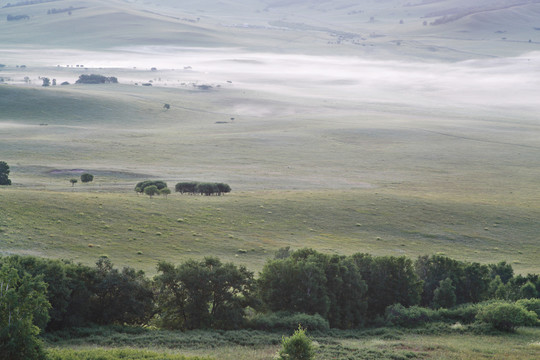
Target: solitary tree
[
  {"x": 86, "y": 177},
  {"x": 4, "y": 173},
  {"x": 46, "y": 81},
  {"x": 73, "y": 182}
]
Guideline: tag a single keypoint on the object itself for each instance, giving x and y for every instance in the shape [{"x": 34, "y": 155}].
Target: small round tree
[
  {"x": 165, "y": 192},
  {"x": 86, "y": 177},
  {"x": 73, "y": 182},
  {"x": 151, "y": 190}
]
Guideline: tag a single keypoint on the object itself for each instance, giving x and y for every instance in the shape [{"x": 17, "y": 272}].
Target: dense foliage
[
  {"x": 315, "y": 283},
  {"x": 82, "y": 295},
  {"x": 390, "y": 280},
  {"x": 283, "y": 320},
  {"x": 318, "y": 291},
  {"x": 202, "y": 188},
  {"x": 96, "y": 79},
  {"x": 86, "y": 177},
  {"x": 23, "y": 306},
  {"x": 4, "y": 173},
  {"x": 506, "y": 316},
  {"x": 203, "y": 294},
  {"x": 139, "y": 188}
]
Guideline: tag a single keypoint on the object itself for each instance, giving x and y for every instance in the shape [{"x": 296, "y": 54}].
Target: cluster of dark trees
[
  {"x": 202, "y": 188},
  {"x": 96, "y": 79},
  {"x": 345, "y": 291},
  {"x": 158, "y": 187},
  {"x": 81, "y": 295},
  {"x": 152, "y": 187}
]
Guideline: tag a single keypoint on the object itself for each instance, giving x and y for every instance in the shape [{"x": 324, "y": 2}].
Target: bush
[
  {"x": 287, "y": 321},
  {"x": 465, "y": 314},
  {"x": 506, "y": 316},
  {"x": 530, "y": 305},
  {"x": 297, "y": 347},
  {"x": 399, "y": 315}
]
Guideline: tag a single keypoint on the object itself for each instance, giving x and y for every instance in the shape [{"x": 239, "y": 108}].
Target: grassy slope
[
  {"x": 138, "y": 231},
  {"x": 424, "y": 184}
]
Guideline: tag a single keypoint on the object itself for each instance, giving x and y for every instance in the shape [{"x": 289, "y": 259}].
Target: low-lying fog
[{"x": 496, "y": 82}]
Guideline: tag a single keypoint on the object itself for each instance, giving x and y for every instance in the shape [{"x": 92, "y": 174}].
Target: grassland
[
  {"x": 336, "y": 175},
  {"x": 247, "y": 227},
  {"x": 382, "y": 343},
  {"x": 382, "y": 140}
]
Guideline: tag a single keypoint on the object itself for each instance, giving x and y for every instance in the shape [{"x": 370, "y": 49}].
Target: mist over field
[{"x": 497, "y": 83}]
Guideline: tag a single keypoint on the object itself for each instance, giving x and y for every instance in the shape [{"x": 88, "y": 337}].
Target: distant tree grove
[
  {"x": 187, "y": 187},
  {"x": 202, "y": 188}
]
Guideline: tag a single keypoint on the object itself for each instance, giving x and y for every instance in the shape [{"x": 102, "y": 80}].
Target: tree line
[
  {"x": 318, "y": 290},
  {"x": 347, "y": 291}
]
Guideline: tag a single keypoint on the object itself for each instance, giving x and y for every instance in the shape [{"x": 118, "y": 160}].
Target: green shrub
[
  {"x": 530, "y": 305},
  {"x": 287, "y": 321},
  {"x": 465, "y": 314},
  {"x": 506, "y": 316},
  {"x": 297, "y": 347},
  {"x": 528, "y": 290},
  {"x": 399, "y": 315}
]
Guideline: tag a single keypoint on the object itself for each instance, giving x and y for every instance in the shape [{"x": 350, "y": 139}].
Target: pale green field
[
  {"x": 380, "y": 344},
  {"x": 334, "y": 174},
  {"x": 247, "y": 227}
]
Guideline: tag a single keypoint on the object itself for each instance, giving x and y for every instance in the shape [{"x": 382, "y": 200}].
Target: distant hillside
[{"x": 450, "y": 29}]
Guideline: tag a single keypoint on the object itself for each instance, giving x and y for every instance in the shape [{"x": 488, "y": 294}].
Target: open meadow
[
  {"x": 382, "y": 127},
  {"x": 330, "y": 169}
]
